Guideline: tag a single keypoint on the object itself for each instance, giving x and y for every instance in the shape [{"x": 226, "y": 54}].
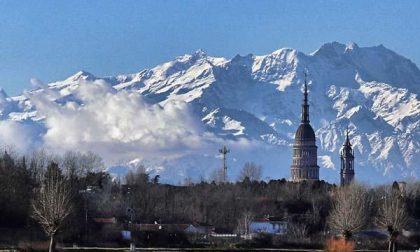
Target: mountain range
[{"x": 174, "y": 117}]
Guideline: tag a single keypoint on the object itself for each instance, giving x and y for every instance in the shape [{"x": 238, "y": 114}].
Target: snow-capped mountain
[{"x": 250, "y": 103}]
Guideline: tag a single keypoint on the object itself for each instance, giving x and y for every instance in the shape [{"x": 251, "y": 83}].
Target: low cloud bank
[
  {"x": 20, "y": 136},
  {"x": 119, "y": 126}
]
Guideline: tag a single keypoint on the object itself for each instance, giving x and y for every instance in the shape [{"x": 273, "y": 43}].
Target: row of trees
[
  {"x": 353, "y": 206},
  {"x": 54, "y": 191},
  {"x": 45, "y": 188}
]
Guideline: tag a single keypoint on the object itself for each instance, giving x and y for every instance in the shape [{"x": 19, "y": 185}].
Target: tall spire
[
  {"x": 347, "y": 162},
  {"x": 347, "y": 142},
  {"x": 305, "y": 105}
]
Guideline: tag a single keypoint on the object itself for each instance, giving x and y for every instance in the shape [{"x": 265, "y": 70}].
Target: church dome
[{"x": 305, "y": 132}]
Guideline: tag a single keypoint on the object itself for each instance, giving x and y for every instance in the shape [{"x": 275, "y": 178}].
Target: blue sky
[{"x": 50, "y": 40}]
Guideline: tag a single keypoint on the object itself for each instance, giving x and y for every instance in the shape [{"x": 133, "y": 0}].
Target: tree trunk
[
  {"x": 52, "y": 243},
  {"x": 391, "y": 246},
  {"x": 347, "y": 235}
]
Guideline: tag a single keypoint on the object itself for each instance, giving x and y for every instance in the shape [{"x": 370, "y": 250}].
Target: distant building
[
  {"x": 105, "y": 221},
  {"x": 199, "y": 228},
  {"x": 304, "y": 166},
  {"x": 126, "y": 234},
  {"x": 347, "y": 162},
  {"x": 159, "y": 227},
  {"x": 268, "y": 225}
]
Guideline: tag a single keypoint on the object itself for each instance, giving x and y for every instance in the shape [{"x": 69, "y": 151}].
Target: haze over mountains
[{"x": 174, "y": 117}]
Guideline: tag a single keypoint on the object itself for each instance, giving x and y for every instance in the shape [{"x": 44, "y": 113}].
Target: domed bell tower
[{"x": 347, "y": 162}]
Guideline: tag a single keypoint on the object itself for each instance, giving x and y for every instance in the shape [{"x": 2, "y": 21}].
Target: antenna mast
[{"x": 224, "y": 151}]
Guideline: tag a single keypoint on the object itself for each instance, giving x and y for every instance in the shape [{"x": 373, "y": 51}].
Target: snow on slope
[{"x": 252, "y": 104}]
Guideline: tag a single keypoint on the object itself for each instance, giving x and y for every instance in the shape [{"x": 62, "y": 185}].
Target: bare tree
[
  {"x": 52, "y": 204},
  {"x": 392, "y": 214},
  {"x": 297, "y": 231},
  {"x": 138, "y": 176},
  {"x": 217, "y": 176},
  {"x": 349, "y": 210},
  {"x": 188, "y": 181},
  {"x": 251, "y": 171},
  {"x": 77, "y": 164},
  {"x": 244, "y": 222},
  {"x": 38, "y": 163},
  {"x": 412, "y": 194}
]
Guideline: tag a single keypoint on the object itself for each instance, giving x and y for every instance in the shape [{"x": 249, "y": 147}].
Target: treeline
[
  {"x": 22, "y": 178},
  {"x": 312, "y": 209},
  {"x": 223, "y": 204}
]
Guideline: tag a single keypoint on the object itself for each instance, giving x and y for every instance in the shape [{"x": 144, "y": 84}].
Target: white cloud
[
  {"x": 327, "y": 162},
  {"x": 22, "y": 137},
  {"x": 119, "y": 126}
]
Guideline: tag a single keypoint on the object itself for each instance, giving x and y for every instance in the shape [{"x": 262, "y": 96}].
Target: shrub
[{"x": 340, "y": 245}]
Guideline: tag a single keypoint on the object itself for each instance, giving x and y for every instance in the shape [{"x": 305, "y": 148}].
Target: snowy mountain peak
[
  {"x": 335, "y": 49},
  {"x": 187, "y": 59},
  {"x": 252, "y": 103},
  {"x": 376, "y": 63},
  {"x": 81, "y": 75},
  {"x": 200, "y": 53},
  {"x": 330, "y": 48},
  {"x": 352, "y": 46}
]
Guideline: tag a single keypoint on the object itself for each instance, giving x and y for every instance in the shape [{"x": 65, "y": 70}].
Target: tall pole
[
  {"x": 224, "y": 151},
  {"x": 86, "y": 220},
  {"x": 85, "y": 194}
]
